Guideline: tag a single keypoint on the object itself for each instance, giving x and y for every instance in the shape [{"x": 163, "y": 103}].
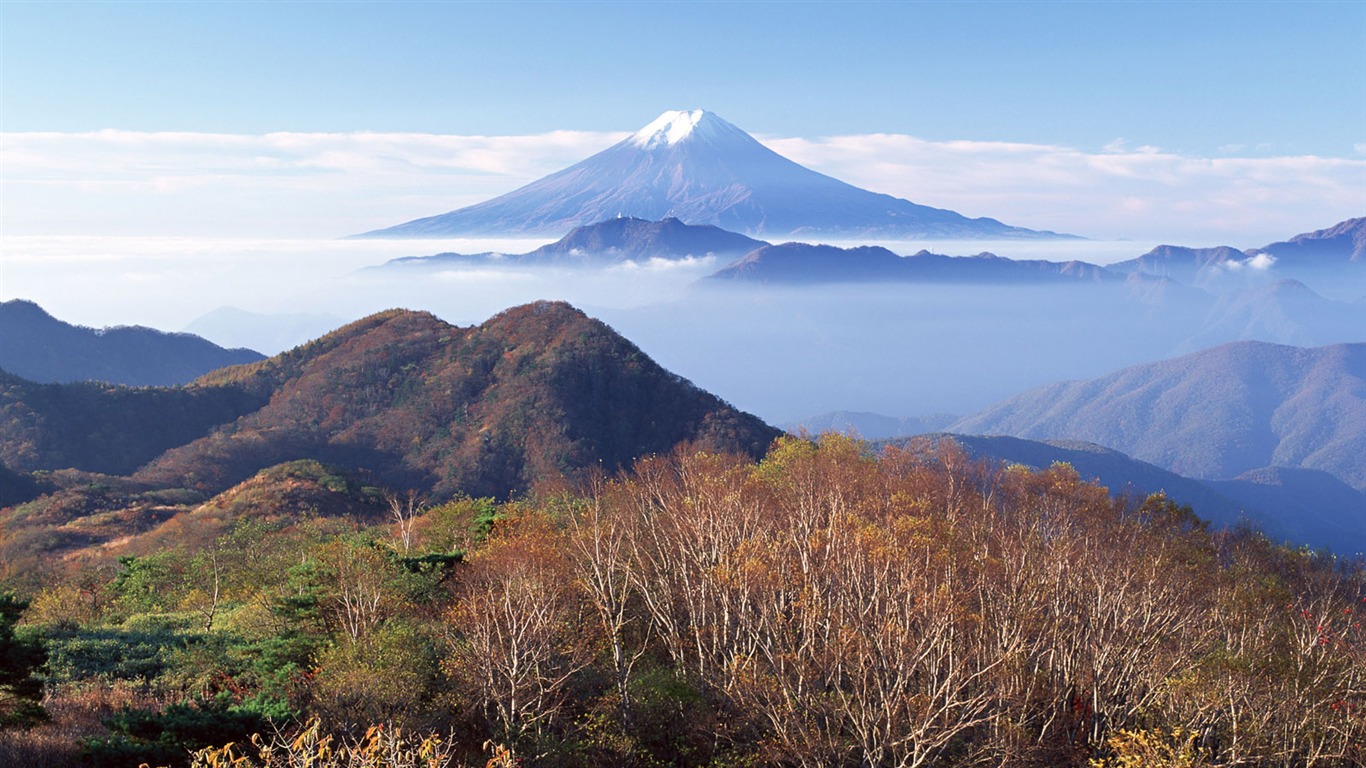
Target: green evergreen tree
[{"x": 20, "y": 690}]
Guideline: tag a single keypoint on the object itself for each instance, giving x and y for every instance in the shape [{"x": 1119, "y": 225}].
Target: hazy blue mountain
[
  {"x": 871, "y": 426},
  {"x": 36, "y": 346},
  {"x": 1298, "y": 505},
  {"x": 798, "y": 263},
  {"x": 1285, "y": 311},
  {"x": 698, "y": 168},
  {"x": 611, "y": 242},
  {"x": 1214, "y": 414},
  {"x": 1345, "y": 240},
  {"x": 263, "y": 332},
  {"x": 1332, "y": 261},
  {"x": 1311, "y": 506},
  {"x": 1185, "y": 265}
]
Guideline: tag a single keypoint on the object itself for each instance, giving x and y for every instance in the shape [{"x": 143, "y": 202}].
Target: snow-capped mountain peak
[
  {"x": 696, "y": 167},
  {"x": 671, "y": 127}
]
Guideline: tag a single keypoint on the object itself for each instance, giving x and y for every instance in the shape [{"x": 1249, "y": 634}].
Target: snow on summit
[
  {"x": 696, "y": 167},
  {"x": 668, "y": 129}
]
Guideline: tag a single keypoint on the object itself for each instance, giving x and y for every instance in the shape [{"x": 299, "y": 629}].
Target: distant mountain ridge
[
  {"x": 1322, "y": 257},
  {"x": 39, "y": 347},
  {"x": 871, "y": 426},
  {"x": 798, "y": 263},
  {"x": 700, "y": 169},
  {"x": 623, "y": 239},
  {"x": 1346, "y": 238},
  {"x": 1214, "y": 414},
  {"x": 613, "y": 241}
]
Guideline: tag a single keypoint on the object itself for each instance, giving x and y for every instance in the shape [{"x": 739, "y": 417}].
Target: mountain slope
[
  {"x": 698, "y": 168},
  {"x": 1214, "y": 414},
  {"x": 107, "y": 428},
  {"x": 41, "y": 348},
  {"x": 533, "y": 394}
]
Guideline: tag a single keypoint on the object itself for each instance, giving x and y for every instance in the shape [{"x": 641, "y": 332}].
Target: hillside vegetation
[
  {"x": 535, "y": 394},
  {"x": 820, "y": 607}
]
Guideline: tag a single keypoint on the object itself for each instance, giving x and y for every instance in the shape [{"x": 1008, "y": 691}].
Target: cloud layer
[{"x": 333, "y": 184}]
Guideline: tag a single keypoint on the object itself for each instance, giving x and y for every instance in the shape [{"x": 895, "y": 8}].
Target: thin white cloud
[
  {"x": 699, "y": 264},
  {"x": 273, "y": 185},
  {"x": 1120, "y": 192},
  {"x": 333, "y": 184},
  {"x": 1260, "y": 262}
]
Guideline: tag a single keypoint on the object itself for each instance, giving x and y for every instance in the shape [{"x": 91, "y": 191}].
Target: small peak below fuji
[{"x": 674, "y": 126}]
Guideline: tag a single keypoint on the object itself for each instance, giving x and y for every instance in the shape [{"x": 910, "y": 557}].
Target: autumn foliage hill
[{"x": 535, "y": 394}]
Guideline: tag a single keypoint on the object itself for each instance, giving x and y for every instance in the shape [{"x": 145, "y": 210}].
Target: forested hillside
[
  {"x": 821, "y": 607},
  {"x": 534, "y": 394}
]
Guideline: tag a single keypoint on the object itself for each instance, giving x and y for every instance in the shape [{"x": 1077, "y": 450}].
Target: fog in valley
[{"x": 783, "y": 353}]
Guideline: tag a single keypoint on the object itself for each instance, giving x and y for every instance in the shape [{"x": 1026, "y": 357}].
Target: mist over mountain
[
  {"x": 1285, "y": 311},
  {"x": 924, "y": 347},
  {"x": 1214, "y": 414},
  {"x": 39, "y": 347},
  {"x": 270, "y": 333},
  {"x": 700, "y": 169},
  {"x": 870, "y": 426}
]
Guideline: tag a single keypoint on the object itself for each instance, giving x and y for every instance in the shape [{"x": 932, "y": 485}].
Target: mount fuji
[{"x": 696, "y": 167}]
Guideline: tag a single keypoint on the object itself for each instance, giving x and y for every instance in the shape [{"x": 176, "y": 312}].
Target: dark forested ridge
[
  {"x": 104, "y": 427},
  {"x": 41, "y": 348}
]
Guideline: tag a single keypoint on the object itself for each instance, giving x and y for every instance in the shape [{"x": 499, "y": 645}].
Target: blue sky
[
  {"x": 1202, "y": 77},
  {"x": 1201, "y": 123}
]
